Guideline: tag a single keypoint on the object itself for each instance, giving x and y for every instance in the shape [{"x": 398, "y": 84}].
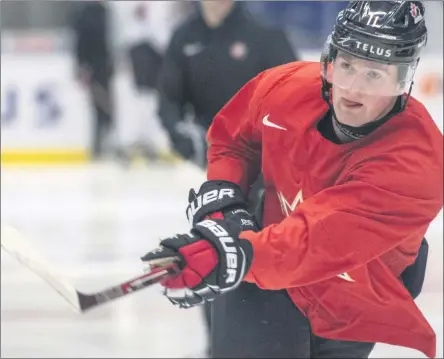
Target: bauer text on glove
[{"x": 214, "y": 260}]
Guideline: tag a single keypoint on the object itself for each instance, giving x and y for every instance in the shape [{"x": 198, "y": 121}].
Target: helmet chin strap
[{"x": 354, "y": 132}]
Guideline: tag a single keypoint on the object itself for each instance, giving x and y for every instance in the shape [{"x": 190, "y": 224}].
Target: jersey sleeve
[
  {"x": 234, "y": 138},
  {"x": 343, "y": 228}
]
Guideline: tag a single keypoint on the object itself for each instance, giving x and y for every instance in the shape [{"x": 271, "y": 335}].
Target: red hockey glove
[{"x": 213, "y": 260}]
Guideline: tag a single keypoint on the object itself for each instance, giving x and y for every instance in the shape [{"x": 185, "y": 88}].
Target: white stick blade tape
[{"x": 13, "y": 243}]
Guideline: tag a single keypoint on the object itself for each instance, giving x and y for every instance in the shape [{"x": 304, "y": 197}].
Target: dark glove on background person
[{"x": 189, "y": 141}]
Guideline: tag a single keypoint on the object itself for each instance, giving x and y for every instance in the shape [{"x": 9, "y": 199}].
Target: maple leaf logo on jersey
[{"x": 287, "y": 208}]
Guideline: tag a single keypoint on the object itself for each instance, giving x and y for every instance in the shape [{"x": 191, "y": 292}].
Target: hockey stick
[{"x": 13, "y": 243}]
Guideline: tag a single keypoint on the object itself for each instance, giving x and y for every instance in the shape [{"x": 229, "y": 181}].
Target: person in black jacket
[
  {"x": 209, "y": 58},
  {"x": 95, "y": 67}
]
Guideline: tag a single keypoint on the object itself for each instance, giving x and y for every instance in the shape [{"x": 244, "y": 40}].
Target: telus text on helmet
[{"x": 375, "y": 50}]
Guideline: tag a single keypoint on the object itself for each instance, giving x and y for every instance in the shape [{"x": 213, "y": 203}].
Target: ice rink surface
[{"x": 94, "y": 223}]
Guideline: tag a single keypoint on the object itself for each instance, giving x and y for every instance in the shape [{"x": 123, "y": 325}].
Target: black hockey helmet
[{"x": 386, "y": 32}]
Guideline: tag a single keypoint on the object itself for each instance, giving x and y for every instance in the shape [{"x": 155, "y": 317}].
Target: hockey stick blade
[{"x": 13, "y": 243}]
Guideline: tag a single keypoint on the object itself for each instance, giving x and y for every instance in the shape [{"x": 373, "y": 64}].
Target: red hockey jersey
[{"x": 341, "y": 222}]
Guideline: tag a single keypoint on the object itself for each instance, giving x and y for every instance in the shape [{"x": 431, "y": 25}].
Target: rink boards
[{"x": 46, "y": 117}]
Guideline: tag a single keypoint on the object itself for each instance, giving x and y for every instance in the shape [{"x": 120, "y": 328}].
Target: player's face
[{"x": 363, "y": 91}]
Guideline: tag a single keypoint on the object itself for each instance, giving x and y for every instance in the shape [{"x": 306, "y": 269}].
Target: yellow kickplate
[{"x": 44, "y": 156}]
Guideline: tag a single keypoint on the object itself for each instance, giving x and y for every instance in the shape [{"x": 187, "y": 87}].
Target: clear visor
[{"x": 368, "y": 77}]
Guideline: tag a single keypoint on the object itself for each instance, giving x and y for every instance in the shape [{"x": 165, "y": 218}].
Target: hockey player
[
  {"x": 353, "y": 172},
  {"x": 95, "y": 69},
  {"x": 141, "y": 32}
]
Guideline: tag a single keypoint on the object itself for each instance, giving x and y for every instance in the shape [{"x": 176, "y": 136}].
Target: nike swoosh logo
[
  {"x": 346, "y": 277},
  {"x": 266, "y": 122}
]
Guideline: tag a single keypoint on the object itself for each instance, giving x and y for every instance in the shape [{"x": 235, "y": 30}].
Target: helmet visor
[{"x": 368, "y": 77}]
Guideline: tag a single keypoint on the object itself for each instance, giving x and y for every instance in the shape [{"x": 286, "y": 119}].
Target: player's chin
[
  {"x": 350, "y": 116},
  {"x": 350, "y": 119}
]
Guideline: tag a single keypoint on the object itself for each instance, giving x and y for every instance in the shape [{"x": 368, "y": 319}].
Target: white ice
[{"x": 94, "y": 222}]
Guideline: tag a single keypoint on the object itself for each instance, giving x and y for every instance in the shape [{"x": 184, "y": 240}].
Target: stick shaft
[{"x": 89, "y": 301}]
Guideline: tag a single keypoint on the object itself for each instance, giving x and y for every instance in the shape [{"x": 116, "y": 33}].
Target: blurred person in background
[
  {"x": 210, "y": 57},
  {"x": 141, "y": 32},
  {"x": 95, "y": 68}
]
